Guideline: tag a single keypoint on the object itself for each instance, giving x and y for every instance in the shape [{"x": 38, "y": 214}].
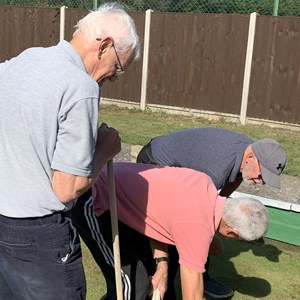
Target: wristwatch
[{"x": 159, "y": 259}]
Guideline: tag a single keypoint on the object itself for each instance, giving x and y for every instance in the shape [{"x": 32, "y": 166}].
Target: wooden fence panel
[
  {"x": 24, "y": 27},
  {"x": 275, "y": 78},
  {"x": 197, "y": 60},
  {"x": 72, "y": 17},
  {"x": 128, "y": 86}
]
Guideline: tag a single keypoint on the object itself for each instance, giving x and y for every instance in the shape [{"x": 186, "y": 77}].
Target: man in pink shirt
[{"x": 169, "y": 205}]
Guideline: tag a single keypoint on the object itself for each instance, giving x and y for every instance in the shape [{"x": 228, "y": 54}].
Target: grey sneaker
[{"x": 217, "y": 290}]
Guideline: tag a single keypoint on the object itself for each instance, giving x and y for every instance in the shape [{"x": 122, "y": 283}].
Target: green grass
[
  {"x": 264, "y": 269},
  {"x": 137, "y": 128},
  {"x": 96, "y": 287}
]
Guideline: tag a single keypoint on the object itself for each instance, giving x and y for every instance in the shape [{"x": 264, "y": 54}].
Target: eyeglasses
[
  {"x": 120, "y": 70},
  {"x": 258, "y": 180}
]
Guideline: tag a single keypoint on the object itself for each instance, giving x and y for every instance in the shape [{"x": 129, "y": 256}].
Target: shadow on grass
[
  {"x": 248, "y": 258},
  {"x": 223, "y": 269}
]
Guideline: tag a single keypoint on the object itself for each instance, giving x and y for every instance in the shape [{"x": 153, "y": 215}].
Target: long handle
[{"x": 115, "y": 230}]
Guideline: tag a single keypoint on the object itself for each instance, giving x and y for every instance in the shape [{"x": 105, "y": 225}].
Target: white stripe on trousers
[{"x": 103, "y": 247}]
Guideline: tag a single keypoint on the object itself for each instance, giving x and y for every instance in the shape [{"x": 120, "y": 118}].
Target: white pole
[
  {"x": 95, "y": 4},
  {"x": 145, "y": 59},
  {"x": 247, "y": 71},
  {"x": 62, "y": 23},
  {"x": 115, "y": 230}
]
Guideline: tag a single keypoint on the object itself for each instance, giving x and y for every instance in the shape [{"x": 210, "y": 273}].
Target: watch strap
[{"x": 159, "y": 259}]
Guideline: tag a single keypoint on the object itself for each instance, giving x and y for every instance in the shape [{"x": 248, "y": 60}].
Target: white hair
[
  {"x": 111, "y": 20},
  {"x": 246, "y": 215}
]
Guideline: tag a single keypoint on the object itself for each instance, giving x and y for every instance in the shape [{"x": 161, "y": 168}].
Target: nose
[{"x": 113, "y": 78}]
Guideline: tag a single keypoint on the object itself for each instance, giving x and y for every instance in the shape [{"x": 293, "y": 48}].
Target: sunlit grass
[{"x": 265, "y": 269}]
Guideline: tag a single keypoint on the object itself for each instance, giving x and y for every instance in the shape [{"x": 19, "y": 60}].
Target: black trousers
[
  {"x": 145, "y": 156},
  {"x": 135, "y": 251}
]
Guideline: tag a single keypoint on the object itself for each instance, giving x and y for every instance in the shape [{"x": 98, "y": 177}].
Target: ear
[
  {"x": 250, "y": 156},
  {"x": 232, "y": 234},
  {"x": 104, "y": 44},
  {"x": 227, "y": 231}
]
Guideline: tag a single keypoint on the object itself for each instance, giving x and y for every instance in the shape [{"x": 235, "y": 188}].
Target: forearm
[
  {"x": 159, "y": 249},
  {"x": 68, "y": 187},
  {"x": 160, "y": 277},
  {"x": 191, "y": 284},
  {"x": 216, "y": 246},
  {"x": 230, "y": 187}
]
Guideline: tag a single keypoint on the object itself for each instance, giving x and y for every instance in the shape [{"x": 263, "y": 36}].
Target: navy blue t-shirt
[{"x": 214, "y": 151}]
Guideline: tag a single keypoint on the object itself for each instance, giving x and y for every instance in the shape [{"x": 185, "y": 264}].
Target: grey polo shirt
[{"x": 48, "y": 120}]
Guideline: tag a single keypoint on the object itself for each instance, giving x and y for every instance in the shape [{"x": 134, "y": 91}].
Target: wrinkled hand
[
  {"x": 108, "y": 142},
  {"x": 108, "y": 145},
  {"x": 160, "y": 279},
  {"x": 216, "y": 246}
]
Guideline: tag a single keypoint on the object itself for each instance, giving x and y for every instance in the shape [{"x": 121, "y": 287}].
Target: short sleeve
[
  {"x": 76, "y": 138},
  {"x": 192, "y": 242}
]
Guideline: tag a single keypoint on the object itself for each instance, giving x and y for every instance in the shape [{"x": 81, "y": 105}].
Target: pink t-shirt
[{"x": 177, "y": 206}]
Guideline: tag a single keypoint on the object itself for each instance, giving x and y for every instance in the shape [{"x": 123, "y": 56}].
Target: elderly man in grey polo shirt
[{"x": 52, "y": 150}]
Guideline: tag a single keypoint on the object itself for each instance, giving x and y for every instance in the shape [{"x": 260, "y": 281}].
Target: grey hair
[
  {"x": 246, "y": 215},
  {"x": 112, "y": 20}
]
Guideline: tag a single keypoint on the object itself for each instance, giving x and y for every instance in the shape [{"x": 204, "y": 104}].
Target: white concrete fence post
[
  {"x": 62, "y": 23},
  {"x": 145, "y": 59},
  {"x": 248, "y": 65}
]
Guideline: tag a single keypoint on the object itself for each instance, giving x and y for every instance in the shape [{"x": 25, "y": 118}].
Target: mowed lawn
[{"x": 265, "y": 269}]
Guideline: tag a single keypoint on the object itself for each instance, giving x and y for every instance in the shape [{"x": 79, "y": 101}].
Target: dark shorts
[{"x": 40, "y": 258}]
